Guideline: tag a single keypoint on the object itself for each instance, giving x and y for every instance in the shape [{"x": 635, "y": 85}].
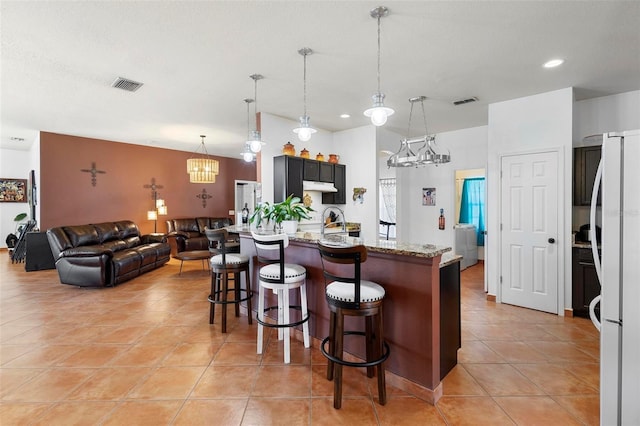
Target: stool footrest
[
  {"x": 291, "y": 324},
  {"x": 341, "y": 361},
  {"x": 226, "y": 302}
]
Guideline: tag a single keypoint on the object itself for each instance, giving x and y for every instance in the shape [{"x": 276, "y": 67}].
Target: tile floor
[{"x": 143, "y": 353}]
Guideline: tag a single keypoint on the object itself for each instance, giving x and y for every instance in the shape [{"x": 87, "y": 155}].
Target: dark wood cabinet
[
  {"x": 585, "y": 166},
  {"x": 450, "y": 319},
  {"x": 287, "y": 177},
  {"x": 585, "y": 281},
  {"x": 289, "y": 172},
  {"x": 339, "y": 181}
]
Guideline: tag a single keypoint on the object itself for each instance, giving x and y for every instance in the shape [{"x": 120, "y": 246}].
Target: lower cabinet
[
  {"x": 450, "y": 331},
  {"x": 585, "y": 282}
]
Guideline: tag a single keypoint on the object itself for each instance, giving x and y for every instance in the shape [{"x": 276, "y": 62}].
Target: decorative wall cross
[
  {"x": 204, "y": 197},
  {"x": 154, "y": 189},
  {"x": 94, "y": 171}
]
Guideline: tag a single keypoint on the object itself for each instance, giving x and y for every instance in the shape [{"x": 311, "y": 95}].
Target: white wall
[
  {"x": 418, "y": 223},
  {"x": 524, "y": 125},
  {"x": 357, "y": 149},
  {"x": 613, "y": 113},
  {"x": 17, "y": 164}
]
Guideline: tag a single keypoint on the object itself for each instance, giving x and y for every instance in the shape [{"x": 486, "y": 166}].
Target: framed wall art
[
  {"x": 428, "y": 196},
  {"x": 13, "y": 190}
]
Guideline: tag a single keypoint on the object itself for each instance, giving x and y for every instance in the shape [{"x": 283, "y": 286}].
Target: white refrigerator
[{"x": 619, "y": 273}]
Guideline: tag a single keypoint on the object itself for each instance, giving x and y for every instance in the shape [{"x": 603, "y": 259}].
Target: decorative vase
[
  {"x": 289, "y": 226},
  {"x": 289, "y": 149},
  {"x": 304, "y": 153},
  {"x": 334, "y": 158},
  {"x": 320, "y": 157}
]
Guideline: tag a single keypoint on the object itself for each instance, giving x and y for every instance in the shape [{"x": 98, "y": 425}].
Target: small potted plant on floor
[{"x": 284, "y": 216}]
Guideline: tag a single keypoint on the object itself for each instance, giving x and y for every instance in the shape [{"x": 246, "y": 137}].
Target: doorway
[
  {"x": 249, "y": 194},
  {"x": 529, "y": 223}
]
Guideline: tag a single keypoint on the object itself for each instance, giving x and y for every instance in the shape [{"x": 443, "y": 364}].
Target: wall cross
[
  {"x": 154, "y": 189},
  {"x": 94, "y": 171},
  {"x": 204, "y": 197}
]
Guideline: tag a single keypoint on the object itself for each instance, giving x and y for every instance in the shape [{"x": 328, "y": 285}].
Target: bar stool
[
  {"x": 223, "y": 262},
  {"x": 280, "y": 277},
  {"x": 348, "y": 294}
]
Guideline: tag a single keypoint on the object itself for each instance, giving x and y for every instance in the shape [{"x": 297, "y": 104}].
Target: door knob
[{"x": 551, "y": 240}]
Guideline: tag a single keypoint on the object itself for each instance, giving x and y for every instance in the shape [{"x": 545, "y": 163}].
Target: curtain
[
  {"x": 387, "y": 206},
  {"x": 472, "y": 205}
]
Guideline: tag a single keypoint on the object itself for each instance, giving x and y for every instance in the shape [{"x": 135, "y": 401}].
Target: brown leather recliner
[
  {"x": 189, "y": 233},
  {"x": 105, "y": 254}
]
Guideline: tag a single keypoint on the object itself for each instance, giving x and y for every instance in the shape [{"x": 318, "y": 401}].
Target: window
[
  {"x": 387, "y": 208},
  {"x": 472, "y": 205}
]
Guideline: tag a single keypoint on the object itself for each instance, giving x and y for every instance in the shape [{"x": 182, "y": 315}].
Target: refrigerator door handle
[
  {"x": 592, "y": 312},
  {"x": 594, "y": 243}
]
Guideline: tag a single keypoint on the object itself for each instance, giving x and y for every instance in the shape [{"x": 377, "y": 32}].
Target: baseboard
[
  {"x": 568, "y": 313},
  {"x": 491, "y": 297}
]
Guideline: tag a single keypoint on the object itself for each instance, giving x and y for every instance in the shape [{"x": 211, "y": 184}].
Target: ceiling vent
[
  {"x": 465, "y": 101},
  {"x": 125, "y": 84}
]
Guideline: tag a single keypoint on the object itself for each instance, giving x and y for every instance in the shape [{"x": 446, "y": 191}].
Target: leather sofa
[
  {"x": 188, "y": 233},
  {"x": 105, "y": 254}
]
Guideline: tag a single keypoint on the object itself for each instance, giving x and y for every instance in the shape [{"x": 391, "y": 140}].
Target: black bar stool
[
  {"x": 223, "y": 262},
  {"x": 348, "y": 294}
]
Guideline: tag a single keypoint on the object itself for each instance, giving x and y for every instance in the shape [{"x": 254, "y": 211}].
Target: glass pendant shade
[
  {"x": 202, "y": 169},
  {"x": 305, "y": 131},
  {"x": 255, "y": 144},
  {"x": 378, "y": 112},
  {"x": 247, "y": 154}
]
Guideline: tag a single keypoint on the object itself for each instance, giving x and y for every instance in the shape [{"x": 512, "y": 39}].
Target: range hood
[{"x": 318, "y": 186}]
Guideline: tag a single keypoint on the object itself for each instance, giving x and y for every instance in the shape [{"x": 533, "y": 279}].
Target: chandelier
[
  {"x": 202, "y": 169},
  {"x": 378, "y": 112},
  {"x": 428, "y": 153},
  {"x": 305, "y": 130}
]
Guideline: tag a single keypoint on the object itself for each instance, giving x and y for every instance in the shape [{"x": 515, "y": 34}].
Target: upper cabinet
[
  {"x": 585, "y": 166},
  {"x": 289, "y": 172}
]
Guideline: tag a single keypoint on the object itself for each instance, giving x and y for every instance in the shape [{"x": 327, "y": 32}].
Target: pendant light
[
  {"x": 202, "y": 169},
  {"x": 254, "y": 140},
  {"x": 305, "y": 130},
  {"x": 248, "y": 155},
  {"x": 378, "y": 112}
]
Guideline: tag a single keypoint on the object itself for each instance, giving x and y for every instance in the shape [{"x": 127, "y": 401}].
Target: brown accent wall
[{"x": 67, "y": 196}]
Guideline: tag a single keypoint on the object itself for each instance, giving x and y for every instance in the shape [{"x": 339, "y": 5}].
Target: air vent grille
[
  {"x": 465, "y": 101},
  {"x": 126, "y": 84}
]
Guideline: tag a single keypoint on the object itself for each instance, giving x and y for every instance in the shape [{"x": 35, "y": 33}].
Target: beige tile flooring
[{"x": 143, "y": 353}]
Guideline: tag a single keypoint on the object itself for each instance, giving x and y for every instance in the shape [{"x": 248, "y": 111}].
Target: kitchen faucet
[{"x": 323, "y": 218}]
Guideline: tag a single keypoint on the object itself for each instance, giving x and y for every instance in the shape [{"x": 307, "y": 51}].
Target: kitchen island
[{"x": 421, "y": 311}]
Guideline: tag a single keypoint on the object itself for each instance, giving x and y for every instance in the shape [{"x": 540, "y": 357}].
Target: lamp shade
[
  {"x": 162, "y": 210},
  {"x": 202, "y": 170},
  {"x": 152, "y": 215}
]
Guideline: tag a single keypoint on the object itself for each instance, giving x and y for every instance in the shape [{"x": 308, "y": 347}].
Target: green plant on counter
[{"x": 289, "y": 209}]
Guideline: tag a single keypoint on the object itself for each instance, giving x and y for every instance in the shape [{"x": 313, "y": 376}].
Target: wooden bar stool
[
  {"x": 223, "y": 263},
  {"x": 348, "y": 294},
  {"x": 280, "y": 277}
]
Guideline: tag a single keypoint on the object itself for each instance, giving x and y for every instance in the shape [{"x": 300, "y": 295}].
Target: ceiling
[{"x": 195, "y": 57}]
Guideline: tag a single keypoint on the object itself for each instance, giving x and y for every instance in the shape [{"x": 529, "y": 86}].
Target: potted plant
[{"x": 285, "y": 215}]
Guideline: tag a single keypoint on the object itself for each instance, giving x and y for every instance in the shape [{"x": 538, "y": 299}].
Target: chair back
[
  {"x": 353, "y": 255},
  {"x": 217, "y": 240},
  {"x": 270, "y": 250}
]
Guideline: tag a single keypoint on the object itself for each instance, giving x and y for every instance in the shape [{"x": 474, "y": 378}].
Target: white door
[{"x": 529, "y": 230}]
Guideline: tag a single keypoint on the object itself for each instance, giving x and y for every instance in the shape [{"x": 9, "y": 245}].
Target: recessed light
[
  {"x": 345, "y": 115},
  {"x": 553, "y": 63}
]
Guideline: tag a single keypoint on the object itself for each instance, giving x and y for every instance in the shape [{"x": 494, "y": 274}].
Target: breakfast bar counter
[{"x": 421, "y": 310}]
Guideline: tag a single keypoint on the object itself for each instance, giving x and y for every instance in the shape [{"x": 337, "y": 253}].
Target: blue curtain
[{"x": 472, "y": 205}]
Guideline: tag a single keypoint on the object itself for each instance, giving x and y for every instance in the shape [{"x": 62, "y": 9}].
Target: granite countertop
[{"x": 378, "y": 245}]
